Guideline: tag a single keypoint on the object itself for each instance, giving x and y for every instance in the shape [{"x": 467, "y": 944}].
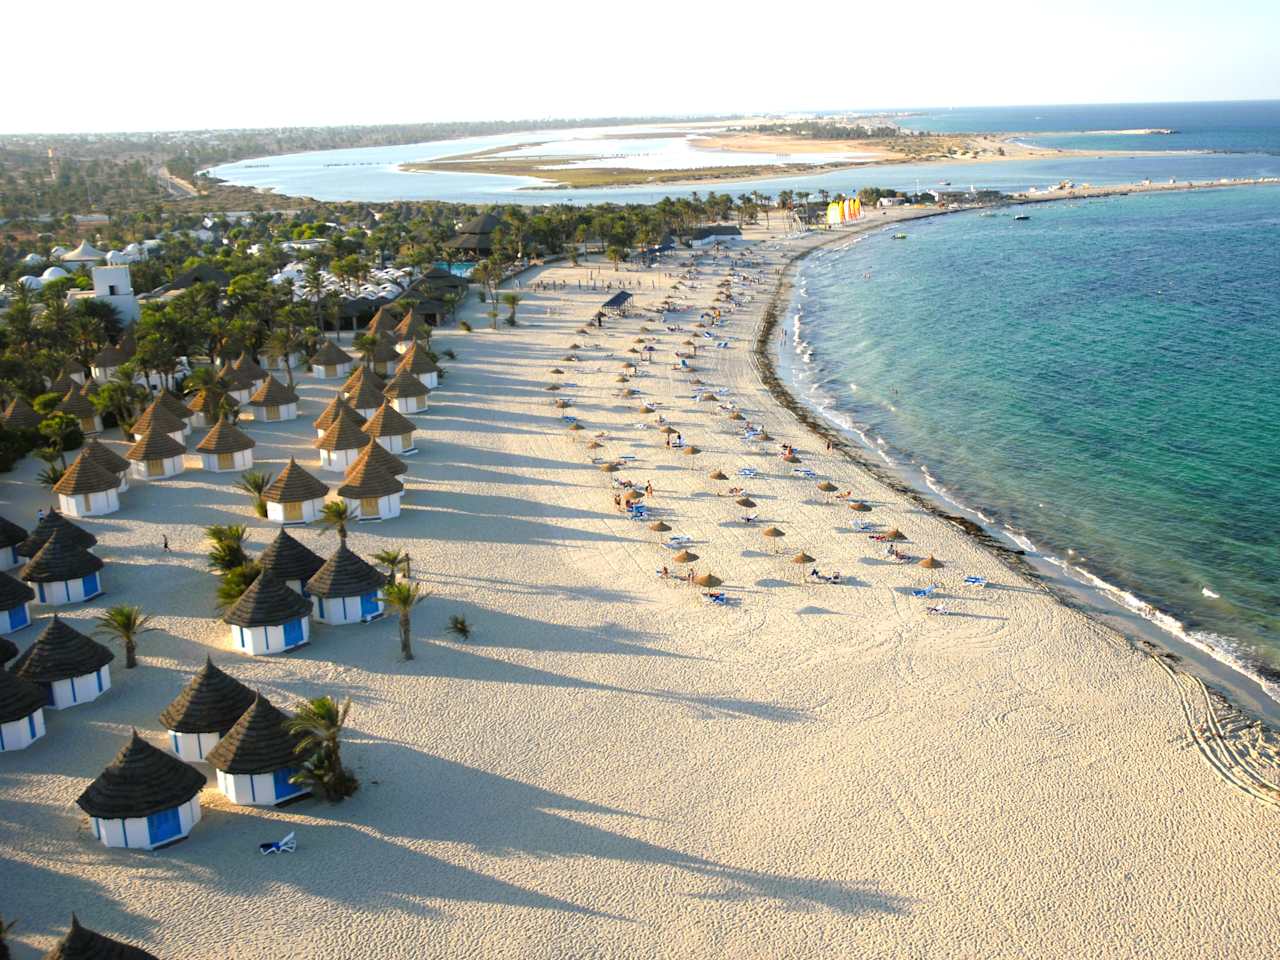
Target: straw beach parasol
[
  {"x": 801, "y": 558},
  {"x": 608, "y": 468},
  {"x": 708, "y": 580},
  {"x": 895, "y": 534},
  {"x": 685, "y": 556},
  {"x": 826, "y": 486},
  {"x": 860, "y": 506},
  {"x": 773, "y": 533},
  {"x": 930, "y": 563},
  {"x": 717, "y": 475},
  {"x": 745, "y": 502},
  {"x": 659, "y": 527}
]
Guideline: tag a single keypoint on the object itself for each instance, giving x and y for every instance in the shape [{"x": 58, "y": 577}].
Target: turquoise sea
[{"x": 1099, "y": 380}]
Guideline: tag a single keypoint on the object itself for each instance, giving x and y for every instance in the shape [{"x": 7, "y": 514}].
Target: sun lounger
[
  {"x": 925, "y": 592},
  {"x": 627, "y": 456},
  {"x": 677, "y": 444},
  {"x": 717, "y": 598},
  {"x": 750, "y": 517},
  {"x": 748, "y": 472},
  {"x": 287, "y": 845},
  {"x": 567, "y": 418},
  {"x": 979, "y": 582}
]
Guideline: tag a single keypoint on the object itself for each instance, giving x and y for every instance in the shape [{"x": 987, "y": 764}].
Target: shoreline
[{"x": 1099, "y": 600}]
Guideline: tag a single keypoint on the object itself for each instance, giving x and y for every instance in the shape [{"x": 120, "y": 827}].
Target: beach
[{"x": 611, "y": 765}]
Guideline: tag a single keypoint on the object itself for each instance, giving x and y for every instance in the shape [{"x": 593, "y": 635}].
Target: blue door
[
  {"x": 164, "y": 825},
  {"x": 369, "y": 605},
  {"x": 91, "y": 586},
  {"x": 18, "y": 617},
  {"x": 292, "y": 633},
  {"x": 285, "y": 789},
  {"x": 48, "y": 692}
]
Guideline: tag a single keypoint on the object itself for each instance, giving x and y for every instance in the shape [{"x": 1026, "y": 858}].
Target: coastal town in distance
[{"x": 737, "y": 511}]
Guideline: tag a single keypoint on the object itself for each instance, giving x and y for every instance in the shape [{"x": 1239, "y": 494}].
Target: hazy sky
[{"x": 146, "y": 65}]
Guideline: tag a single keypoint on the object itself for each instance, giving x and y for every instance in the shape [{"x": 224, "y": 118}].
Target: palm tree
[
  {"x": 227, "y": 552},
  {"x": 255, "y": 483},
  {"x": 511, "y": 300},
  {"x": 125, "y": 623},
  {"x": 281, "y": 346},
  {"x": 365, "y": 344},
  {"x": 318, "y": 725},
  {"x": 393, "y": 560},
  {"x": 402, "y": 597},
  {"x": 336, "y": 515},
  {"x": 235, "y": 582}
]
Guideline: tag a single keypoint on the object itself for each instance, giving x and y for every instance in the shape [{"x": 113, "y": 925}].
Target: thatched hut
[
  {"x": 77, "y": 405},
  {"x": 257, "y": 758},
  {"x": 366, "y": 397},
  {"x": 290, "y": 562},
  {"x": 406, "y": 393},
  {"x": 208, "y": 706},
  {"x": 294, "y": 496},
  {"x": 226, "y": 448},
  {"x": 269, "y": 618},
  {"x": 70, "y": 667},
  {"x": 159, "y": 418},
  {"x": 371, "y": 492},
  {"x": 274, "y": 402},
  {"x": 330, "y": 413},
  {"x": 63, "y": 571},
  {"x": 330, "y": 362},
  {"x": 346, "y": 589},
  {"x": 107, "y": 362},
  {"x": 391, "y": 429},
  {"x": 15, "y": 604},
  {"x": 21, "y": 712},
  {"x": 157, "y": 456},
  {"x": 109, "y": 459},
  {"x": 417, "y": 361},
  {"x": 11, "y": 535},
  {"x": 50, "y": 524},
  {"x": 342, "y": 442},
  {"x": 88, "y": 489}
]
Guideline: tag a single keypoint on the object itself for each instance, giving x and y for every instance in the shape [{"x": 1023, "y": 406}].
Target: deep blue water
[
  {"x": 1239, "y": 126},
  {"x": 1100, "y": 378}
]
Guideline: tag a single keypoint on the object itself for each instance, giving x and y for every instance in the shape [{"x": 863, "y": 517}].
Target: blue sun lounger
[{"x": 926, "y": 592}]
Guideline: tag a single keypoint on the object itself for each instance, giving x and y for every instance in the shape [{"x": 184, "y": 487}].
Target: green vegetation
[
  {"x": 318, "y": 725},
  {"x": 126, "y": 623},
  {"x": 402, "y": 597}
]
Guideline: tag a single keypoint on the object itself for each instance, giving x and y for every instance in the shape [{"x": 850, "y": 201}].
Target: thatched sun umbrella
[
  {"x": 826, "y": 486},
  {"x": 619, "y": 379},
  {"x": 696, "y": 382},
  {"x": 552, "y": 386},
  {"x": 717, "y": 475},
  {"x": 708, "y": 580},
  {"x": 745, "y": 502},
  {"x": 576, "y": 426},
  {"x": 691, "y": 450},
  {"x": 668, "y": 429},
  {"x": 860, "y": 506},
  {"x": 685, "y": 556},
  {"x": 791, "y": 458},
  {"x": 556, "y": 370},
  {"x": 608, "y": 468},
  {"x": 631, "y": 496},
  {"x": 930, "y": 563},
  {"x": 594, "y": 445},
  {"x": 736, "y": 416},
  {"x": 801, "y": 558},
  {"x": 709, "y": 398},
  {"x": 562, "y": 404},
  {"x": 659, "y": 527},
  {"x": 895, "y": 534},
  {"x": 773, "y": 532}
]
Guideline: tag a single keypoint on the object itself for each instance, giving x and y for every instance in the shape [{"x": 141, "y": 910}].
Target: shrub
[
  {"x": 459, "y": 627},
  {"x": 464, "y": 326}
]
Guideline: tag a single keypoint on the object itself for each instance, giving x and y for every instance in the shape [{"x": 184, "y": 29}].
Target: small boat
[
  {"x": 1023, "y": 216},
  {"x": 899, "y": 236}
]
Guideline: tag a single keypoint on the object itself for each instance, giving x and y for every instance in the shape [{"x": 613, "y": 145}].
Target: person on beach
[
  {"x": 40, "y": 515},
  {"x": 164, "y": 537}
]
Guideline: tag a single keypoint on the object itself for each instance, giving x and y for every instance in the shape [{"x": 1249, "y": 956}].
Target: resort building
[
  {"x": 87, "y": 489},
  {"x": 412, "y": 327},
  {"x": 407, "y": 393},
  {"x": 144, "y": 799},
  {"x": 157, "y": 456},
  {"x": 10, "y": 536},
  {"x": 346, "y": 589},
  {"x": 474, "y": 238},
  {"x": 15, "y": 605},
  {"x": 391, "y": 429},
  {"x": 107, "y": 363},
  {"x": 359, "y": 377},
  {"x": 281, "y": 362},
  {"x": 83, "y": 944},
  {"x": 159, "y": 418},
  {"x": 273, "y": 402},
  {"x": 377, "y": 454},
  {"x": 330, "y": 362},
  {"x": 63, "y": 571},
  {"x": 21, "y": 712},
  {"x": 240, "y": 384},
  {"x": 342, "y": 442},
  {"x": 73, "y": 370},
  {"x": 367, "y": 396},
  {"x": 175, "y": 405},
  {"x": 418, "y": 362},
  {"x": 269, "y": 618},
  {"x": 19, "y": 415},
  {"x": 109, "y": 460},
  {"x": 257, "y": 758},
  {"x": 204, "y": 406},
  {"x": 323, "y": 422},
  {"x": 83, "y": 256},
  {"x": 226, "y": 448},
  {"x": 371, "y": 492},
  {"x": 384, "y": 321},
  {"x": 294, "y": 496},
  {"x": 77, "y": 405},
  {"x": 208, "y": 706},
  {"x": 290, "y": 562},
  {"x": 248, "y": 368},
  {"x": 113, "y": 284},
  {"x": 71, "y": 668},
  {"x": 384, "y": 356},
  {"x": 52, "y": 522}
]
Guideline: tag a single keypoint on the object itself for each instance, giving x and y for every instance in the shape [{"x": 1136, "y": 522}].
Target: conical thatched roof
[
  {"x": 273, "y": 393},
  {"x": 287, "y": 559},
  {"x": 360, "y": 376},
  {"x": 329, "y": 355},
  {"x": 384, "y": 321},
  {"x": 82, "y": 944},
  {"x": 745, "y": 502},
  {"x": 860, "y": 506},
  {"x": 249, "y": 367},
  {"x": 380, "y": 457},
  {"x": 367, "y": 479},
  {"x": 19, "y": 415},
  {"x": 140, "y": 781},
  {"x": 384, "y": 350},
  {"x": 109, "y": 356},
  {"x": 417, "y": 361},
  {"x": 345, "y": 575},
  {"x": 226, "y": 437},
  {"x": 708, "y": 580},
  {"x": 61, "y": 652},
  {"x": 61, "y": 558},
  {"x": 267, "y": 603},
  {"x": 717, "y": 475},
  {"x": 85, "y": 476},
  {"x": 685, "y": 556},
  {"x": 659, "y": 527},
  {"x": 18, "y": 697},
  {"x": 367, "y": 395},
  {"x": 344, "y": 433},
  {"x": 258, "y": 743},
  {"x": 173, "y": 403},
  {"x": 159, "y": 418},
  {"x": 45, "y": 529},
  {"x": 412, "y": 326},
  {"x": 894, "y": 534},
  {"x": 330, "y": 413},
  {"x": 10, "y": 533},
  {"x": 63, "y": 384},
  {"x": 294, "y": 484},
  {"x": 104, "y": 456},
  {"x": 826, "y": 486},
  {"x": 211, "y": 702},
  {"x": 802, "y": 558},
  {"x": 8, "y": 649},
  {"x": 207, "y": 401},
  {"x": 76, "y": 404},
  {"x": 387, "y": 422},
  {"x": 404, "y": 385},
  {"x": 237, "y": 379},
  {"x": 930, "y": 562},
  {"x": 155, "y": 445},
  {"x": 773, "y": 532}
]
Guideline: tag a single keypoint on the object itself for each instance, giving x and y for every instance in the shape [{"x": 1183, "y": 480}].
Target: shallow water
[{"x": 1098, "y": 379}]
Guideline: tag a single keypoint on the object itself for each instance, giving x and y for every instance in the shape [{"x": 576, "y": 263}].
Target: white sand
[{"x": 613, "y": 768}]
